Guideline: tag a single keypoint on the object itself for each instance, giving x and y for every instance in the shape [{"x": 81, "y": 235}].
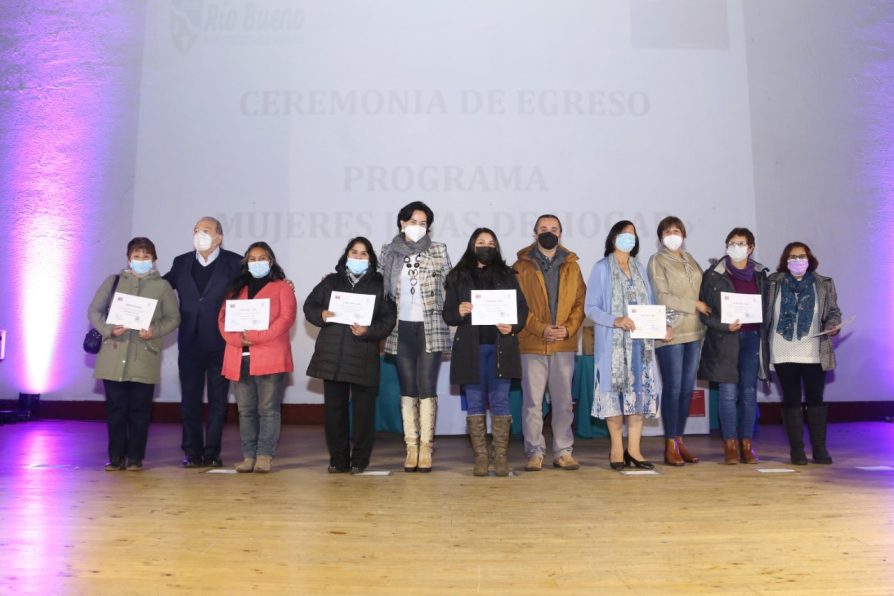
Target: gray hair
[{"x": 217, "y": 227}]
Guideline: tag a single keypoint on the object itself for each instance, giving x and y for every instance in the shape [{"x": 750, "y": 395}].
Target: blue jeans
[
  {"x": 490, "y": 389},
  {"x": 260, "y": 402},
  {"x": 679, "y": 365},
  {"x": 738, "y": 401}
]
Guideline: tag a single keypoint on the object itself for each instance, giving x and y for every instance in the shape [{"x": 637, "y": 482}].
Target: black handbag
[{"x": 93, "y": 339}]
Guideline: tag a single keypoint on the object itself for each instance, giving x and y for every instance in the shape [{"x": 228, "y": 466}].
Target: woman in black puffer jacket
[
  {"x": 484, "y": 358},
  {"x": 346, "y": 356}
]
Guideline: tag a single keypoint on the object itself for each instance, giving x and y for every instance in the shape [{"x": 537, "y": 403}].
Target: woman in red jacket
[{"x": 258, "y": 361}]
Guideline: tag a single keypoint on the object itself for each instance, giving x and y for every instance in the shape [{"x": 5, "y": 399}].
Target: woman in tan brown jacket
[{"x": 676, "y": 279}]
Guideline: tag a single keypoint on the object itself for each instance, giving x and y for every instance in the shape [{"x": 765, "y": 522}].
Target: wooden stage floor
[{"x": 68, "y": 527}]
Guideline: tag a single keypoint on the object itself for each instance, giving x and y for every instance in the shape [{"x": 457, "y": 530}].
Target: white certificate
[
  {"x": 133, "y": 312},
  {"x": 650, "y": 321},
  {"x": 494, "y": 307},
  {"x": 247, "y": 315},
  {"x": 838, "y": 327},
  {"x": 745, "y": 308},
  {"x": 350, "y": 308}
]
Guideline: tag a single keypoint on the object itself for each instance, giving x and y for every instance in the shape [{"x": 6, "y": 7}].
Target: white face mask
[
  {"x": 202, "y": 241},
  {"x": 414, "y": 233},
  {"x": 737, "y": 253},
  {"x": 672, "y": 241}
]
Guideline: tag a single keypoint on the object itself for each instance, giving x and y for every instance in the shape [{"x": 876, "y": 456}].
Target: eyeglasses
[
  {"x": 739, "y": 244},
  {"x": 797, "y": 257}
]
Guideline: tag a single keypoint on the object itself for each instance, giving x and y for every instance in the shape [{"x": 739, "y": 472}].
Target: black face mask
[
  {"x": 485, "y": 254},
  {"x": 548, "y": 240}
]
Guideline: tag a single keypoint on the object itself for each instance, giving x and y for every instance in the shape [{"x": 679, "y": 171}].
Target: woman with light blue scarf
[{"x": 626, "y": 384}]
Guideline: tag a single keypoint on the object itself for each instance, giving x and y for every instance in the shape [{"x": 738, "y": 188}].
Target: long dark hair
[
  {"x": 613, "y": 233},
  {"x": 342, "y": 264},
  {"x": 468, "y": 263},
  {"x": 244, "y": 277}
]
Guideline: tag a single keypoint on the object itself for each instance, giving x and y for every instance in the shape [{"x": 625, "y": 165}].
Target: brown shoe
[
  {"x": 263, "y": 464},
  {"x": 730, "y": 451},
  {"x": 566, "y": 462},
  {"x": 671, "y": 454},
  {"x": 535, "y": 463},
  {"x": 685, "y": 453},
  {"x": 748, "y": 455},
  {"x": 247, "y": 465}
]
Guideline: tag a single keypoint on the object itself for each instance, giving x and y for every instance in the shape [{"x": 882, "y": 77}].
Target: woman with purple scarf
[{"x": 731, "y": 352}]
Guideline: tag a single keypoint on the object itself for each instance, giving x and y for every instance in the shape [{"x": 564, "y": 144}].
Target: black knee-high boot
[
  {"x": 817, "y": 419},
  {"x": 794, "y": 428}
]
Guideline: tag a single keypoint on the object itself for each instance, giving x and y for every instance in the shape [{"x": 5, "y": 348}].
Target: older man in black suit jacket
[{"x": 201, "y": 279}]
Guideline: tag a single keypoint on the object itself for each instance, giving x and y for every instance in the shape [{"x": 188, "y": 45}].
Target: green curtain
[
  {"x": 388, "y": 401},
  {"x": 582, "y": 387}
]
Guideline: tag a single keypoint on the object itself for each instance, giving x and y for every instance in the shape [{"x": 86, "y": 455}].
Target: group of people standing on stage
[{"x": 418, "y": 295}]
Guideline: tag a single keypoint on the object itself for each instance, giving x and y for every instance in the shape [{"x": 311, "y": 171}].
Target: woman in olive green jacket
[{"x": 129, "y": 362}]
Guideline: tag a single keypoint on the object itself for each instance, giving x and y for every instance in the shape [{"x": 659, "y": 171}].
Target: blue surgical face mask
[
  {"x": 140, "y": 267},
  {"x": 357, "y": 266},
  {"x": 625, "y": 242},
  {"x": 258, "y": 269}
]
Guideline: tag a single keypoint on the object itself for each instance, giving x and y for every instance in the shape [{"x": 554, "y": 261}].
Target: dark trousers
[
  {"x": 347, "y": 405},
  {"x": 417, "y": 370},
  {"x": 197, "y": 365},
  {"x": 128, "y": 409},
  {"x": 792, "y": 374}
]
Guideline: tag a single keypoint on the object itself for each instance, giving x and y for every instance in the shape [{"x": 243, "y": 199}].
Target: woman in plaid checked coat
[{"x": 414, "y": 268}]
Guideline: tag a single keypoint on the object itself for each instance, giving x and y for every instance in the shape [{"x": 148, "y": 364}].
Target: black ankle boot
[
  {"x": 817, "y": 419},
  {"x": 794, "y": 428}
]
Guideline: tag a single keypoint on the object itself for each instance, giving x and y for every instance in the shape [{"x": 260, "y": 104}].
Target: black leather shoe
[
  {"x": 134, "y": 465},
  {"x": 193, "y": 462},
  {"x": 642, "y": 465},
  {"x": 212, "y": 461},
  {"x": 338, "y": 470},
  {"x": 358, "y": 470}
]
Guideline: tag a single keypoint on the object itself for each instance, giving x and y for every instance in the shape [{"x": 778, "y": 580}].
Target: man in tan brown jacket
[{"x": 554, "y": 289}]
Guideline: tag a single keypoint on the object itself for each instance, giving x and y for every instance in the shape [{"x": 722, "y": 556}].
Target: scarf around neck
[
  {"x": 746, "y": 274},
  {"x": 796, "y": 304},
  {"x": 623, "y": 381},
  {"x": 403, "y": 248},
  {"x": 352, "y": 278}
]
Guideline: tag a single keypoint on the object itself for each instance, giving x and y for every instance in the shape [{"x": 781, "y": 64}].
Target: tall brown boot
[
  {"x": 502, "y": 425},
  {"x": 478, "y": 435},
  {"x": 730, "y": 451},
  {"x": 748, "y": 455},
  {"x": 687, "y": 455},
  {"x": 671, "y": 455}
]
